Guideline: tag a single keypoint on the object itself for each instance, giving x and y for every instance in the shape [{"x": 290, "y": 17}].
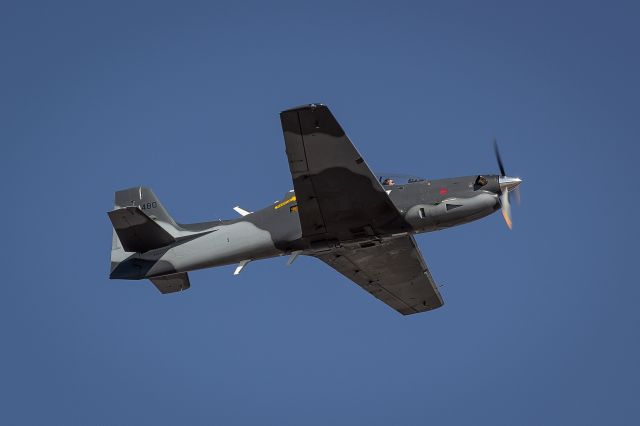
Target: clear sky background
[{"x": 540, "y": 325}]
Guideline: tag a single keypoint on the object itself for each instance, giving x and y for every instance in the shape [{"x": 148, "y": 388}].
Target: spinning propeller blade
[
  {"x": 506, "y": 208},
  {"x": 498, "y": 157},
  {"x": 507, "y": 186}
]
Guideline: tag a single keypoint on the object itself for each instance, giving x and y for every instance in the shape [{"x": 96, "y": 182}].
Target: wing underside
[
  {"x": 339, "y": 197},
  {"x": 392, "y": 270}
]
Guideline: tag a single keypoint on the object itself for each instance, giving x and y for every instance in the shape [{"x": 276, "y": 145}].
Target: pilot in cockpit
[{"x": 388, "y": 182}]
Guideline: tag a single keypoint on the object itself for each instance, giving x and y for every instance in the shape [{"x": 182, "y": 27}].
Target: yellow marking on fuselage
[{"x": 284, "y": 203}]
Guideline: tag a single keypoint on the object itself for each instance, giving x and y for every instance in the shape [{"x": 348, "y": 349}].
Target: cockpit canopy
[{"x": 388, "y": 179}]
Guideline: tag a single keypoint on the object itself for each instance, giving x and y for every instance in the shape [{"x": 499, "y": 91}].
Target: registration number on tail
[{"x": 150, "y": 205}]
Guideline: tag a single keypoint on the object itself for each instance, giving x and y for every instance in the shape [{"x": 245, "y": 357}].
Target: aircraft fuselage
[{"x": 425, "y": 206}]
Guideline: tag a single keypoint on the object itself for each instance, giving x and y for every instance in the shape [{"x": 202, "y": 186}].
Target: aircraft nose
[{"x": 508, "y": 183}]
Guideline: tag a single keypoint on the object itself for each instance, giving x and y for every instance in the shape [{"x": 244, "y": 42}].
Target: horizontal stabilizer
[
  {"x": 171, "y": 283},
  {"x": 137, "y": 231}
]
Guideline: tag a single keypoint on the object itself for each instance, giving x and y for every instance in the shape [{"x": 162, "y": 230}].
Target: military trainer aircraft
[{"x": 339, "y": 211}]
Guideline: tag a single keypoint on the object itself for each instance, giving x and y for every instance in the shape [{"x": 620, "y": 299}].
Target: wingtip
[{"x": 304, "y": 107}]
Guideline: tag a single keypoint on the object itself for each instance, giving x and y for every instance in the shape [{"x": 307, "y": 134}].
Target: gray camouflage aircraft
[{"x": 339, "y": 211}]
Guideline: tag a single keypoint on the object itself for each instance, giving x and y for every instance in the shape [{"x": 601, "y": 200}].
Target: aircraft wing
[
  {"x": 393, "y": 271},
  {"x": 338, "y": 196}
]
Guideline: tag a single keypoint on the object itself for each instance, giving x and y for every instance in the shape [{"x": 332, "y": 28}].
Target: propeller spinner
[{"x": 508, "y": 185}]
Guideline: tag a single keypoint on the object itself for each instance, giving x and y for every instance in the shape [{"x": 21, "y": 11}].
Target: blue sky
[{"x": 539, "y": 324}]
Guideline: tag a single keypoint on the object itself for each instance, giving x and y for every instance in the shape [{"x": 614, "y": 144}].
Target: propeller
[
  {"x": 508, "y": 185},
  {"x": 506, "y": 208},
  {"x": 498, "y": 157}
]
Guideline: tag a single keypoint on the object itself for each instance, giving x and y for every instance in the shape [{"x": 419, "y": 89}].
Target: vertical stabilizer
[{"x": 144, "y": 199}]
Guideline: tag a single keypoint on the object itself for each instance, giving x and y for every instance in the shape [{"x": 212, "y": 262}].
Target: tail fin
[
  {"x": 154, "y": 217},
  {"x": 146, "y": 200}
]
